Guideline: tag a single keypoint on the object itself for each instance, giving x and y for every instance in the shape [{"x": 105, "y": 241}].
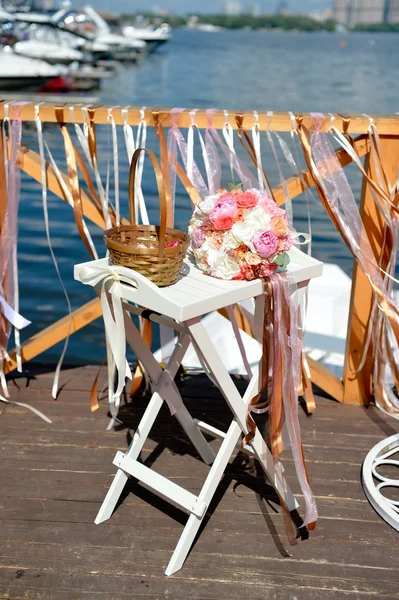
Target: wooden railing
[{"x": 356, "y": 385}]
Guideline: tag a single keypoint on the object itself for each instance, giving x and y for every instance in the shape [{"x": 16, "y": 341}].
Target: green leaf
[
  {"x": 231, "y": 186},
  {"x": 282, "y": 260}
]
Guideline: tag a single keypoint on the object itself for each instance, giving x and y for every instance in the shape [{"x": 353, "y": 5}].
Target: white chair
[{"x": 181, "y": 307}]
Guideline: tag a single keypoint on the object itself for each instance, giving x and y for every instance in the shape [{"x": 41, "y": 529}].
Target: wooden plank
[
  {"x": 133, "y": 561},
  {"x": 54, "y": 478},
  {"x": 326, "y": 380},
  {"x": 358, "y": 386},
  {"x": 56, "y": 332},
  {"x": 279, "y": 121}
]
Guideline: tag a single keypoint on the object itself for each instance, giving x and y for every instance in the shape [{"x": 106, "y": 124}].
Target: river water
[{"x": 232, "y": 70}]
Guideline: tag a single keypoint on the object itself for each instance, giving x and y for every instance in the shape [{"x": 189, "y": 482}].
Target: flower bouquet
[{"x": 239, "y": 235}]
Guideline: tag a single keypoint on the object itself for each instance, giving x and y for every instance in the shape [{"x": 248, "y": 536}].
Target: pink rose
[
  {"x": 271, "y": 207},
  {"x": 284, "y": 244},
  {"x": 198, "y": 237},
  {"x": 246, "y": 200},
  {"x": 267, "y": 269},
  {"x": 265, "y": 243},
  {"x": 238, "y": 277},
  {"x": 226, "y": 207},
  {"x": 222, "y": 223},
  {"x": 247, "y": 272}
]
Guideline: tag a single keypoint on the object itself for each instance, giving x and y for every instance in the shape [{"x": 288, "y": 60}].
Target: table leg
[{"x": 238, "y": 405}]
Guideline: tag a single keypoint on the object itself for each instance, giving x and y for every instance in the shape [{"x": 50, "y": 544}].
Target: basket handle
[{"x": 161, "y": 193}]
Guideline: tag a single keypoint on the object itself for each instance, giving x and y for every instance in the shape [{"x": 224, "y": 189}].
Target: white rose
[
  {"x": 208, "y": 246},
  {"x": 225, "y": 267},
  {"x": 254, "y": 220},
  {"x": 230, "y": 241},
  {"x": 213, "y": 254},
  {"x": 206, "y": 205},
  {"x": 198, "y": 259}
]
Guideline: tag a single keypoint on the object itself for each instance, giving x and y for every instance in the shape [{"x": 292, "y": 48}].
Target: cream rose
[{"x": 252, "y": 259}]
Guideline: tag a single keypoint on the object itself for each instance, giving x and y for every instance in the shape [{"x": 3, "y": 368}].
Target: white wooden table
[{"x": 181, "y": 307}]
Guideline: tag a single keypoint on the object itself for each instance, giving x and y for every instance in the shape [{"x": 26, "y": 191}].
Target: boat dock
[{"x": 54, "y": 478}]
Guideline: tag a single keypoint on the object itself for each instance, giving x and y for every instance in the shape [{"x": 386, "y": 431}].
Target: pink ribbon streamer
[
  {"x": 343, "y": 205},
  {"x": 340, "y": 197},
  {"x": 9, "y": 237},
  {"x": 176, "y": 141},
  {"x": 290, "y": 345},
  {"x": 212, "y": 137}
]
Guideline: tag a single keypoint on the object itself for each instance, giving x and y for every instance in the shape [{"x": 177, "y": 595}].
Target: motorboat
[
  {"x": 87, "y": 22},
  {"x": 29, "y": 74},
  {"x": 42, "y": 37},
  {"x": 153, "y": 36},
  {"x": 48, "y": 44}
]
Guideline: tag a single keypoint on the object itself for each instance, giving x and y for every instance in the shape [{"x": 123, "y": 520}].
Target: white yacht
[
  {"x": 153, "y": 36},
  {"x": 49, "y": 44},
  {"x": 89, "y": 23},
  {"x": 30, "y": 74}
]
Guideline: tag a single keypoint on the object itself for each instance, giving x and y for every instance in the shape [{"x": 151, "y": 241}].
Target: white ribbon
[
  {"x": 28, "y": 406},
  {"x": 12, "y": 315},
  {"x": 47, "y": 227},
  {"x": 190, "y": 145},
  {"x": 228, "y": 135},
  {"x": 131, "y": 147},
  {"x": 283, "y": 182},
  {"x": 111, "y": 120},
  {"x": 258, "y": 154},
  {"x": 94, "y": 165},
  {"x": 113, "y": 319}
]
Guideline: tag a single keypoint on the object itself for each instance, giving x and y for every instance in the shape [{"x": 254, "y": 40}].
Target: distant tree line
[
  {"x": 286, "y": 22},
  {"x": 280, "y": 21},
  {"x": 378, "y": 27}
]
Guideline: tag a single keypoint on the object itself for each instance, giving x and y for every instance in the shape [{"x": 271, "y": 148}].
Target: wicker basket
[{"x": 148, "y": 249}]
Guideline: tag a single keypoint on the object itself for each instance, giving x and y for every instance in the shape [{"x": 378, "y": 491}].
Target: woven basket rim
[{"x": 177, "y": 235}]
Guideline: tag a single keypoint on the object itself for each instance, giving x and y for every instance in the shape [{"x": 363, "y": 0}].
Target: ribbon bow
[{"x": 113, "y": 316}]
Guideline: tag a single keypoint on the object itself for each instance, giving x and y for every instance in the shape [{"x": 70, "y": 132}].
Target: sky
[{"x": 204, "y": 6}]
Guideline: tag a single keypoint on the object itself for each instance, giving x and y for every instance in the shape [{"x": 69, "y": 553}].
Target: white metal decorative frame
[{"x": 374, "y": 482}]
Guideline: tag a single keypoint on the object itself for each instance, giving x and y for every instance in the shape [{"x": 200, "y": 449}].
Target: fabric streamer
[
  {"x": 114, "y": 323},
  {"x": 192, "y": 169},
  {"x": 176, "y": 141},
  {"x": 280, "y": 373},
  {"x": 228, "y": 134},
  {"x": 74, "y": 184},
  {"x": 282, "y": 336},
  {"x": 111, "y": 120},
  {"x": 337, "y": 198},
  {"x": 47, "y": 228},
  {"x": 10, "y": 184},
  {"x": 131, "y": 147},
  {"x": 90, "y": 143}
]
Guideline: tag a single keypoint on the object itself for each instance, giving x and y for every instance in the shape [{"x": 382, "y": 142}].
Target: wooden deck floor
[{"x": 54, "y": 477}]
